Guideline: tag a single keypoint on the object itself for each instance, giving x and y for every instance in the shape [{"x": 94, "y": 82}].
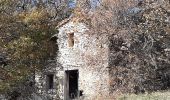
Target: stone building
[{"x": 80, "y": 70}]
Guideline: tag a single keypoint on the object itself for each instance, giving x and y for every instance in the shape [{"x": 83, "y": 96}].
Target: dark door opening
[{"x": 71, "y": 89}]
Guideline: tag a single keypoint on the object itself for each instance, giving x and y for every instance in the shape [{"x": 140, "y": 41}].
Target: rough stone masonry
[{"x": 81, "y": 67}]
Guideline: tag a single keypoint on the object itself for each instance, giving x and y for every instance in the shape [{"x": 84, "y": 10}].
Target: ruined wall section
[
  {"x": 41, "y": 82},
  {"x": 89, "y": 55}
]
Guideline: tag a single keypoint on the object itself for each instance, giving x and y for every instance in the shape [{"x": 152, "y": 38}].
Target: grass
[{"x": 151, "y": 96}]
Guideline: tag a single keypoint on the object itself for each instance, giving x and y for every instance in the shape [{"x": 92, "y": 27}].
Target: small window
[
  {"x": 50, "y": 81},
  {"x": 71, "y": 39}
]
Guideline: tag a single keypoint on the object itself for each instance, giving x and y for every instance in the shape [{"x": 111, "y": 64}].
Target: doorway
[{"x": 71, "y": 84}]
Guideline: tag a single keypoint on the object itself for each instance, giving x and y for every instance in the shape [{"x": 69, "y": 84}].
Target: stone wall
[
  {"x": 89, "y": 56},
  {"x": 41, "y": 82}
]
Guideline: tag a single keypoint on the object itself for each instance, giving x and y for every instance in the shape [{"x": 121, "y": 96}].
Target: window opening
[
  {"x": 71, "y": 39},
  {"x": 50, "y": 81}
]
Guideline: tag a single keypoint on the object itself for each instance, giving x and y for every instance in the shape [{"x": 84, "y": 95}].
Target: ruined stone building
[
  {"x": 80, "y": 70},
  {"x": 82, "y": 66}
]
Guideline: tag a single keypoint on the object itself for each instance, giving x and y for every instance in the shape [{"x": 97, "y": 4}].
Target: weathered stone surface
[
  {"x": 89, "y": 55},
  {"x": 41, "y": 82}
]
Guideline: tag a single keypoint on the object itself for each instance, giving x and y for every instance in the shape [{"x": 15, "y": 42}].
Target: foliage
[
  {"x": 140, "y": 49},
  {"x": 26, "y": 28},
  {"x": 138, "y": 34}
]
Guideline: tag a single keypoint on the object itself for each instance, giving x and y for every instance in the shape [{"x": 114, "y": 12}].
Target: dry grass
[{"x": 152, "y": 96}]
